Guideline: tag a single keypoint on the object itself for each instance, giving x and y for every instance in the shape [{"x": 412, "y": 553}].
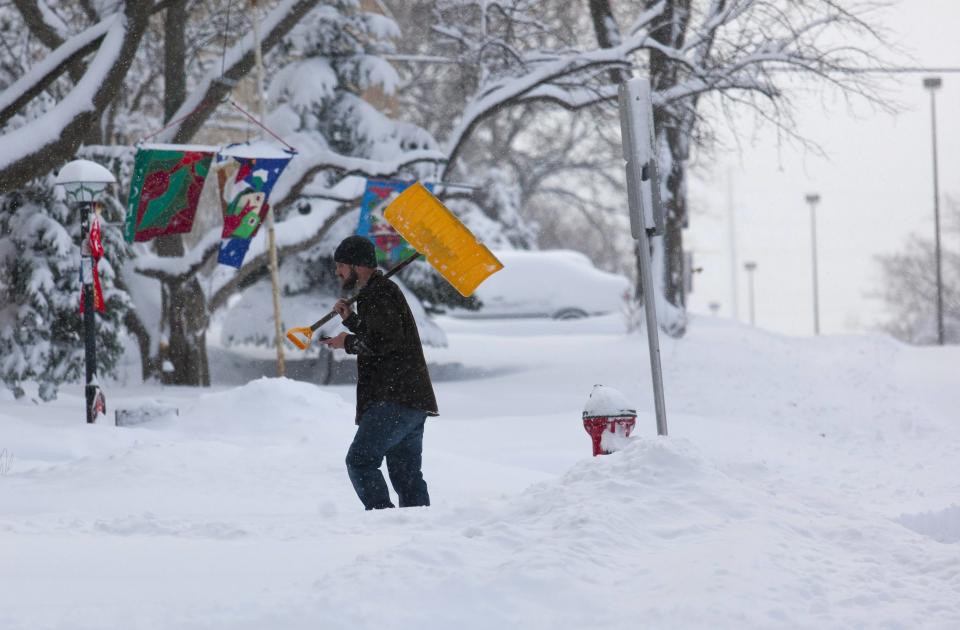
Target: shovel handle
[{"x": 307, "y": 331}]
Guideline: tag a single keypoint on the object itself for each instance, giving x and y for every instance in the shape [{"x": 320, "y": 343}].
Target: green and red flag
[{"x": 165, "y": 189}]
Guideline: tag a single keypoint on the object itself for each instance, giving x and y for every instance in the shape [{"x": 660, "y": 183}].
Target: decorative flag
[
  {"x": 246, "y": 173},
  {"x": 96, "y": 253},
  {"x": 166, "y": 185},
  {"x": 391, "y": 247}
]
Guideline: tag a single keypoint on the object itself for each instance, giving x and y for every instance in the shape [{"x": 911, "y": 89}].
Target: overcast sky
[{"x": 876, "y": 187}]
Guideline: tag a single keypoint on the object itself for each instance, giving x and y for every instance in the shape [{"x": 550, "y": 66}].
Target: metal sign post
[{"x": 646, "y": 212}]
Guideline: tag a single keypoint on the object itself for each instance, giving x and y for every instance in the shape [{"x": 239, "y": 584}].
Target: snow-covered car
[{"x": 560, "y": 283}]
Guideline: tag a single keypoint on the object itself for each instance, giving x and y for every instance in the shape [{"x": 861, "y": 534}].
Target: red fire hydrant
[{"x": 607, "y": 410}]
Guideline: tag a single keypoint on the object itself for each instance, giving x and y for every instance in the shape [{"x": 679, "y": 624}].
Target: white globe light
[{"x": 84, "y": 180}]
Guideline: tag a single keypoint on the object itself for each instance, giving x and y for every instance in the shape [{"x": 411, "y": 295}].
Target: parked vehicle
[{"x": 562, "y": 284}]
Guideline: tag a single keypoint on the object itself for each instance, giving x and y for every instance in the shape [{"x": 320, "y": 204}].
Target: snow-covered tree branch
[
  {"x": 39, "y": 77},
  {"x": 38, "y": 146},
  {"x": 213, "y": 88}
]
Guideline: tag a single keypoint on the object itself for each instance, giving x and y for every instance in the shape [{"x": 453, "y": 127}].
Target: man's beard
[{"x": 350, "y": 282}]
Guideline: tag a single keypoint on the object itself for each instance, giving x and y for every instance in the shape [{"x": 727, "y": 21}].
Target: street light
[
  {"x": 933, "y": 84},
  {"x": 83, "y": 182},
  {"x": 751, "y": 266},
  {"x": 813, "y": 199}
]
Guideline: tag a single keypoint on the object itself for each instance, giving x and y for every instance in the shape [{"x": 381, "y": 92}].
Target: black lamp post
[{"x": 83, "y": 182}]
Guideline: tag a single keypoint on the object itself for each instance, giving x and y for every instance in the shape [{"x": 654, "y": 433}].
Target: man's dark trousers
[{"x": 395, "y": 432}]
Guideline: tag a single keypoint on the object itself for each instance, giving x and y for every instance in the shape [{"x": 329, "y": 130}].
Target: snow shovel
[
  {"x": 438, "y": 235},
  {"x": 307, "y": 331},
  {"x": 435, "y": 233}
]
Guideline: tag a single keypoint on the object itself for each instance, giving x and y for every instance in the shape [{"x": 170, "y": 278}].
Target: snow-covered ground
[{"x": 806, "y": 483}]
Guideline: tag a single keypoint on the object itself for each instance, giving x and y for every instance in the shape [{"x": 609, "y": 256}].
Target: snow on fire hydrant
[{"x": 608, "y": 418}]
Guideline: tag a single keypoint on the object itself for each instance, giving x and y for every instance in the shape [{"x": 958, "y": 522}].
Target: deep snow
[{"x": 807, "y": 482}]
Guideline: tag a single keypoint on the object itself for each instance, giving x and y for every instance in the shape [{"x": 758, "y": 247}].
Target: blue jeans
[{"x": 395, "y": 432}]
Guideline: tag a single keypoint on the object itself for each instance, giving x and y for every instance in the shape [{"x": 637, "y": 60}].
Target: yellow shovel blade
[{"x": 436, "y": 233}]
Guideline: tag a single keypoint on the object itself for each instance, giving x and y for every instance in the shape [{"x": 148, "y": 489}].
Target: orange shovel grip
[{"x": 307, "y": 333}]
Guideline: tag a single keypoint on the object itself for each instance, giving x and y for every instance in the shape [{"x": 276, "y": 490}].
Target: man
[{"x": 394, "y": 393}]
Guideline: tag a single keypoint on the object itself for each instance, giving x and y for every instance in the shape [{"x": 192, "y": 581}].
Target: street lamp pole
[
  {"x": 83, "y": 182},
  {"x": 89, "y": 326},
  {"x": 813, "y": 199},
  {"x": 751, "y": 266},
  {"x": 933, "y": 84}
]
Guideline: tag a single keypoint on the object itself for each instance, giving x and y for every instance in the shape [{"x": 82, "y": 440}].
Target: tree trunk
[
  {"x": 184, "y": 357},
  {"x": 675, "y": 219},
  {"x": 671, "y": 137},
  {"x": 662, "y": 75},
  {"x": 607, "y": 32},
  {"x": 183, "y": 344},
  {"x": 174, "y": 58}
]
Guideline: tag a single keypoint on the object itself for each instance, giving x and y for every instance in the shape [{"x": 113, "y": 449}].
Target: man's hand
[
  {"x": 335, "y": 342},
  {"x": 343, "y": 309}
]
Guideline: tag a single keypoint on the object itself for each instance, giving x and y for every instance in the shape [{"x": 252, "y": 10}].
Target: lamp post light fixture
[
  {"x": 933, "y": 84},
  {"x": 751, "y": 266},
  {"x": 813, "y": 199},
  {"x": 84, "y": 181}
]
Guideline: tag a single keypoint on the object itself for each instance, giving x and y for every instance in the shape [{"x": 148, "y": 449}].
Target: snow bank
[
  {"x": 806, "y": 483},
  {"x": 942, "y": 525},
  {"x": 262, "y": 408},
  {"x": 656, "y": 536}
]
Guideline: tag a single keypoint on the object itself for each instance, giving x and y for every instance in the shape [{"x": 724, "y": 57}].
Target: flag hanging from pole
[
  {"x": 165, "y": 189},
  {"x": 391, "y": 247},
  {"x": 246, "y": 174}
]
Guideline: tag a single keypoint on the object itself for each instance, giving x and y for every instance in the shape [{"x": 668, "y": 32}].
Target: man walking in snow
[{"x": 394, "y": 393}]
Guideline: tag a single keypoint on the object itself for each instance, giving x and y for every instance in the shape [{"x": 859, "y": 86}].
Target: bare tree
[
  {"x": 909, "y": 287},
  {"x": 739, "y": 53}
]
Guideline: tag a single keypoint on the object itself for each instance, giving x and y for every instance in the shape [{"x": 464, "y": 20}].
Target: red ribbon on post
[{"x": 95, "y": 241}]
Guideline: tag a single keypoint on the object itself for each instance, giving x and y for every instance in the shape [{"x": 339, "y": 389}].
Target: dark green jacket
[{"x": 390, "y": 363}]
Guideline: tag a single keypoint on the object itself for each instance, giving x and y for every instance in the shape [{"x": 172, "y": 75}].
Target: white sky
[{"x": 876, "y": 187}]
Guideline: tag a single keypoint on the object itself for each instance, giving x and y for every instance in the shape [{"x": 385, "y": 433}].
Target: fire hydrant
[{"x": 607, "y": 411}]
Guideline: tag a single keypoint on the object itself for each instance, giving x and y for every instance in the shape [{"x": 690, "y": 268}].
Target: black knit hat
[{"x": 356, "y": 250}]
